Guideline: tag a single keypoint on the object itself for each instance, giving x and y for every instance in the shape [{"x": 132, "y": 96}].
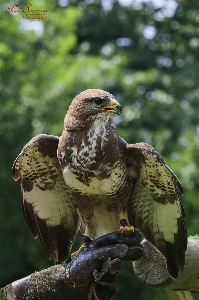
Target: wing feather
[
  {"x": 155, "y": 206},
  {"x": 47, "y": 207}
]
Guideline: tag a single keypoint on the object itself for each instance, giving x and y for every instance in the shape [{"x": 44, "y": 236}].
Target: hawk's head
[{"x": 89, "y": 104}]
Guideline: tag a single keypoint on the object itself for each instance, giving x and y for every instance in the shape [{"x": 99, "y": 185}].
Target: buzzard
[{"x": 93, "y": 179}]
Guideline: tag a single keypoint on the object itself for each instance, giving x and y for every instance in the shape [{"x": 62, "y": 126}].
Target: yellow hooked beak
[{"x": 114, "y": 107}]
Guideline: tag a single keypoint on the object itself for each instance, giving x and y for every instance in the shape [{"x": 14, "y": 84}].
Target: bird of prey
[{"x": 93, "y": 177}]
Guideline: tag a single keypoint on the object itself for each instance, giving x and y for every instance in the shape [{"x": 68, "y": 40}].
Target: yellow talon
[
  {"x": 127, "y": 228},
  {"x": 78, "y": 251},
  {"x": 124, "y": 224},
  {"x": 85, "y": 242}
]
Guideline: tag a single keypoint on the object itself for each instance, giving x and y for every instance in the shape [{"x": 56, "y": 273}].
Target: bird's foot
[
  {"x": 125, "y": 227},
  {"x": 85, "y": 242},
  {"x": 81, "y": 248}
]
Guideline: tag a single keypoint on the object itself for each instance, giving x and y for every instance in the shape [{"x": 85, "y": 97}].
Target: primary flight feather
[{"x": 91, "y": 175}]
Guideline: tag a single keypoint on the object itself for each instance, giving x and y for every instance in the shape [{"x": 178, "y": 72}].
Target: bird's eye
[{"x": 98, "y": 101}]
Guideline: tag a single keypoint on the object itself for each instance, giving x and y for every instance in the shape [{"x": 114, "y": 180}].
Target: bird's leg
[
  {"x": 86, "y": 237},
  {"x": 85, "y": 242},
  {"x": 124, "y": 225}
]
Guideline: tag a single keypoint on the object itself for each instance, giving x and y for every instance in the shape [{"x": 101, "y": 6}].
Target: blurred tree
[{"x": 146, "y": 56}]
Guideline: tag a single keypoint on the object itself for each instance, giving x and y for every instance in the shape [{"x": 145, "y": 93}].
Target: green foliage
[{"x": 87, "y": 45}]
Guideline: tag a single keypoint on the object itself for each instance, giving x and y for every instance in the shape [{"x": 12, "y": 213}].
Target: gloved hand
[
  {"x": 90, "y": 275},
  {"x": 100, "y": 263}
]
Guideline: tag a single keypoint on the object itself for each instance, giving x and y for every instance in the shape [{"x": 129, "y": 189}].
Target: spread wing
[
  {"x": 47, "y": 208},
  {"x": 155, "y": 206}
]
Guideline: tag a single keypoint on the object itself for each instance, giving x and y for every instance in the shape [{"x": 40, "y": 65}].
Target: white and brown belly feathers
[{"x": 95, "y": 174}]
